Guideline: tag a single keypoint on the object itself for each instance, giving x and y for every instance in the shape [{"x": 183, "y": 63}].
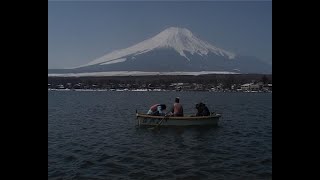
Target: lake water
[{"x": 93, "y": 135}]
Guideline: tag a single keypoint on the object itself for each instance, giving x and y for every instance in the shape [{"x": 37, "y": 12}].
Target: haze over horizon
[{"x": 79, "y": 32}]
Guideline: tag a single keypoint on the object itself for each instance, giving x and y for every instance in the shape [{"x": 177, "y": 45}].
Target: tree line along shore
[{"x": 217, "y": 82}]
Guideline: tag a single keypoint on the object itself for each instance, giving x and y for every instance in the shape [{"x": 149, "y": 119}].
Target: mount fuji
[{"x": 174, "y": 49}]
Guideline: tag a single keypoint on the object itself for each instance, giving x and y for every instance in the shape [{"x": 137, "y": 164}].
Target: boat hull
[{"x": 147, "y": 120}]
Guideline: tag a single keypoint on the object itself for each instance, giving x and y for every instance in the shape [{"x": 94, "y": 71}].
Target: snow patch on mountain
[{"x": 114, "y": 61}]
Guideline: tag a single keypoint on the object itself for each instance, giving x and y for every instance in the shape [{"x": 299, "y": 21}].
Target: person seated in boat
[
  {"x": 202, "y": 110},
  {"x": 177, "y": 109},
  {"x": 157, "y": 110}
]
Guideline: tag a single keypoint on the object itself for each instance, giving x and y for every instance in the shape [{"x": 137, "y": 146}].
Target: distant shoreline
[
  {"x": 154, "y": 90},
  {"x": 135, "y": 73},
  {"x": 202, "y": 82}
]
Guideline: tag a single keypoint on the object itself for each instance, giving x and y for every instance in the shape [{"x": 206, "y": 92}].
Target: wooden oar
[
  {"x": 160, "y": 122},
  {"x": 158, "y": 125}
]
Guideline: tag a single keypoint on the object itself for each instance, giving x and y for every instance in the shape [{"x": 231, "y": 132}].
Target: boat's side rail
[{"x": 178, "y": 117}]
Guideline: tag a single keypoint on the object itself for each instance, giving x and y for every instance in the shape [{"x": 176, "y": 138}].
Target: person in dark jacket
[{"x": 202, "y": 110}]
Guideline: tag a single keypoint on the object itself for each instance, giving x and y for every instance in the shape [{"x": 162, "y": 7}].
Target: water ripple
[{"x": 92, "y": 135}]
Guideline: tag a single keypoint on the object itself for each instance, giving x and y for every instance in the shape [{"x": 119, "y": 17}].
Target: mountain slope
[
  {"x": 174, "y": 49},
  {"x": 179, "y": 39}
]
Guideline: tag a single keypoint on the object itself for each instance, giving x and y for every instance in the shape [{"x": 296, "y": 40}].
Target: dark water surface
[{"x": 92, "y": 135}]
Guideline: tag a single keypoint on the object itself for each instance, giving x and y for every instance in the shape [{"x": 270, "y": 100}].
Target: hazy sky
[{"x": 81, "y": 31}]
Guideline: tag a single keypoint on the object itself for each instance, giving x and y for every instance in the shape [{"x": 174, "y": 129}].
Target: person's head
[
  {"x": 202, "y": 105},
  {"x": 163, "y": 106},
  {"x": 197, "y": 106},
  {"x": 177, "y": 100}
]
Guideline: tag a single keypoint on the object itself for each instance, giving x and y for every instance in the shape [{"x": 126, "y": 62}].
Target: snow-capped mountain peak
[{"x": 180, "y": 39}]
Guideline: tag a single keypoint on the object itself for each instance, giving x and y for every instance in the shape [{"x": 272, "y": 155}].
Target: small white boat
[{"x": 148, "y": 120}]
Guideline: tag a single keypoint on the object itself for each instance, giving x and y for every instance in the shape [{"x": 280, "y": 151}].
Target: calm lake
[{"x": 93, "y": 135}]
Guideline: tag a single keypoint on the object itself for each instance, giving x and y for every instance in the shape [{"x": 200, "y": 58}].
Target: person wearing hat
[{"x": 177, "y": 109}]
